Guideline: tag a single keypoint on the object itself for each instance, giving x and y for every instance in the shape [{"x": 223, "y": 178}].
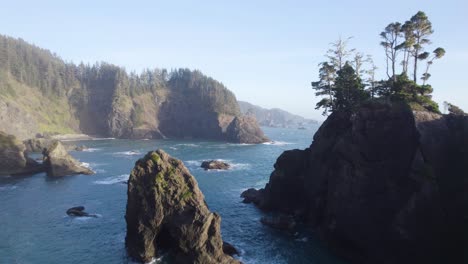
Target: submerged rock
[
  {"x": 281, "y": 222},
  {"x": 229, "y": 249},
  {"x": 13, "y": 159},
  {"x": 79, "y": 211},
  {"x": 81, "y": 148},
  {"x": 381, "y": 185},
  {"x": 215, "y": 165},
  {"x": 166, "y": 211},
  {"x": 245, "y": 129},
  {"x": 252, "y": 196},
  {"x": 58, "y": 162}
]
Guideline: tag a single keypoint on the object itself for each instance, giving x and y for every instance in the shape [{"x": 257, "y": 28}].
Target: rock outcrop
[
  {"x": 245, "y": 130},
  {"x": 215, "y": 165},
  {"x": 13, "y": 159},
  {"x": 79, "y": 211},
  {"x": 58, "y": 162},
  {"x": 382, "y": 185},
  {"x": 166, "y": 212}
]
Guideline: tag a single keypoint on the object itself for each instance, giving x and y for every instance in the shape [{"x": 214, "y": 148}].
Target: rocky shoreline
[{"x": 56, "y": 161}]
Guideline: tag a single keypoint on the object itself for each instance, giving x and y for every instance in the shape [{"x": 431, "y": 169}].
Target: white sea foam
[
  {"x": 113, "y": 180},
  {"x": 91, "y": 149},
  {"x": 240, "y": 144},
  {"x": 277, "y": 143},
  {"x": 109, "y": 138},
  {"x": 8, "y": 187},
  {"x": 85, "y": 218},
  {"x": 127, "y": 153},
  {"x": 86, "y": 165},
  {"x": 193, "y": 162},
  {"x": 188, "y": 145}
]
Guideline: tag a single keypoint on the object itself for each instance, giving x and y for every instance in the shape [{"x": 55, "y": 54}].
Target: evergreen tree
[
  {"x": 349, "y": 89},
  {"x": 324, "y": 87}
]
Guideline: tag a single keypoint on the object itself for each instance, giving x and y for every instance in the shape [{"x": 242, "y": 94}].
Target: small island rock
[
  {"x": 79, "y": 211},
  {"x": 215, "y": 165}
]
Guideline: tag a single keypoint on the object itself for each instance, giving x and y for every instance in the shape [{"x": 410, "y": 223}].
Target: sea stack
[
  {"x": 384, "y": 184},
  {"x": 58, "y": 162},
  {"x": 166, "y": 212}
]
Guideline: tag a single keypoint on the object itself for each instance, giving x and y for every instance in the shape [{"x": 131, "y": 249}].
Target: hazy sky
[{"x": 266, "y": 52}]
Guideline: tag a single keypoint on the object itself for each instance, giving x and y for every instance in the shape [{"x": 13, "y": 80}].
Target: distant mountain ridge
[
  {"x": 274, "y": 117},
  {"x": 41, "y": 93}
]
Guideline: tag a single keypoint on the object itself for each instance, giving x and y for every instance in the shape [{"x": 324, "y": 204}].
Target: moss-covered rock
[{"x": 166, "y": 211}]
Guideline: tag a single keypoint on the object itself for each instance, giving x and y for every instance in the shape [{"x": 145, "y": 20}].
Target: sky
[{"x": 266, "y": 52}]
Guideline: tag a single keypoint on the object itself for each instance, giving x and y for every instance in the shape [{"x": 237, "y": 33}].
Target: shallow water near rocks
[{"x": 36, "y": 229}]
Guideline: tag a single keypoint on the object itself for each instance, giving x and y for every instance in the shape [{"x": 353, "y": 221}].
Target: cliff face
[
  {"x": 40, "y": 93},
  {"x": 383, "y": 185},
  {"x": 166, "y": 212}
]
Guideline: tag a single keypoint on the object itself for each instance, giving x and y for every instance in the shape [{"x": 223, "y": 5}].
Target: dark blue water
[{"x": 35, "y": 228}]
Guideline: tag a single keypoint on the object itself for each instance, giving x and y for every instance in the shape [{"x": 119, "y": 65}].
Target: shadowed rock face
[
  {"x": 383, "y": 185},
  {"x": 245, "y": 130},
  {"x": 166, "y": 211},
  {"x": 13, "y": 159},
  {"x": 58, "y": 162}
]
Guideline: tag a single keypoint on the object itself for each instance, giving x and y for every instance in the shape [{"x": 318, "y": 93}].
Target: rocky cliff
[
  {"x": 39, "y": 92},
  {"x": 166, "y": 212},
  {"x": 382, "y": 185}
]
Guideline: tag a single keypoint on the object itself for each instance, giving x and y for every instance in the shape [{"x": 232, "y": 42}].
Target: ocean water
[{"x": 36, "y": 229}]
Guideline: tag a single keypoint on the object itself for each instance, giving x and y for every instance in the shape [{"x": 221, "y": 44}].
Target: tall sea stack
[
  {"x": 166, "y": 212},
  {"x": 382, "y": 185}
]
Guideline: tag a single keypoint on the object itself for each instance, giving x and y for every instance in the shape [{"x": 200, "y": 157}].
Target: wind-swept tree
[
  {"x": 391, "y": 42},
  {"x": 420, "y": 28},
  {"x": 436, "y": 54},
  {"x": 406, "y": 46}
]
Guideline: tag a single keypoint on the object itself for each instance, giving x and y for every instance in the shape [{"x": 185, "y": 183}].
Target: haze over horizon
[{"x": 266, "y": 52}]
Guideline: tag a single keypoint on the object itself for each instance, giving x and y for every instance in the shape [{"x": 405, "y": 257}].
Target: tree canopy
[{"x": 347, "y": 78}]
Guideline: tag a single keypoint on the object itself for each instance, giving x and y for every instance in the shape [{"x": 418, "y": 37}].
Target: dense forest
[
  {"x": 47, "y": 94},
  {"x": 348, "y": 77}
]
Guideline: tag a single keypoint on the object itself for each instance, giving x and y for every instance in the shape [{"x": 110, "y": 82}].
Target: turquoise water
[{"x": 35, "y": 228}]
